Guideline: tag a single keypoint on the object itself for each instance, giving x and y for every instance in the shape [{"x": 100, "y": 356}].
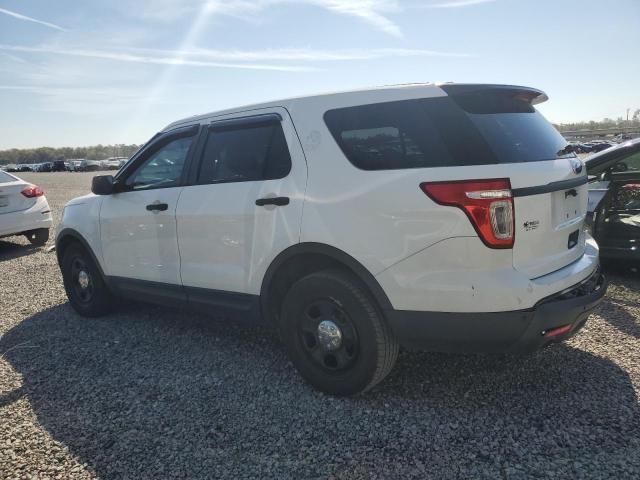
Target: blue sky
[{"x": 77, "y": 72}]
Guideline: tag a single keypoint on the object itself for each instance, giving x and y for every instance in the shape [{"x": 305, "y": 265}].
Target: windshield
[
  {"x": 521, "y": 137},
  {"x": 513, "y": 128}
]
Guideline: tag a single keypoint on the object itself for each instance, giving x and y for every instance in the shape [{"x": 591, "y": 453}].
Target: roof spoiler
[{"x": 531, "y": 95}]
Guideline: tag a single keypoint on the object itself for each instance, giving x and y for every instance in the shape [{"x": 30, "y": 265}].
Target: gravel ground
[{"x": 151, "y": 393}]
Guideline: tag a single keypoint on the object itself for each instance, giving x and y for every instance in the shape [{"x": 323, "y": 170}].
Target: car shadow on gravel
[
  {"x": 10, "y": 250},
  {"x": 146, "y": 393},
  {"x": 618, "y": 309}
]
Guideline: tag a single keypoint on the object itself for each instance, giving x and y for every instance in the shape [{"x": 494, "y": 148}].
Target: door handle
[
  {"x": 157, "y": 207},
  {"x": 277, "y": 201}
]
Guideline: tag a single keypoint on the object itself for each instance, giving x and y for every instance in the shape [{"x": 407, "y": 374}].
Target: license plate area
[{"x": 568, "y": 206}]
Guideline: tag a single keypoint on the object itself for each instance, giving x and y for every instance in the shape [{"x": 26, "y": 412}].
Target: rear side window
[
  {"x": 444, "y": 131},
  {"x": 245, "y": 153}
]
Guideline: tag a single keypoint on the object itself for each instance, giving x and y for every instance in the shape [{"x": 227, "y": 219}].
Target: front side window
[
  {"x": 245, "y": 153},
  {"x": 163, "y": 168}
]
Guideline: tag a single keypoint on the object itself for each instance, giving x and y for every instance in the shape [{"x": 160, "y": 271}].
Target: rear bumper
[
  {"x": 515, "y": 331},
  {"x": 15, "y": 223}
]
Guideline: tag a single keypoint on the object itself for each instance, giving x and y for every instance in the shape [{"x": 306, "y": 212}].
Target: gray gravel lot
[{"x": 151, "y": 393}]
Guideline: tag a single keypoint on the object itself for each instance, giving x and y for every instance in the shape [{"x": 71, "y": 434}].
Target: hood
[
  {"x": 81, "y": 200},
  {"x": 599, "y": 162}
]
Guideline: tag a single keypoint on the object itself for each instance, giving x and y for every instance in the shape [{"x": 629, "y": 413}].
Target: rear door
[
  {"x": 619, "y": 160},
  {"x": 617, "y": 215},
  {"x": 245, "y": 205}
]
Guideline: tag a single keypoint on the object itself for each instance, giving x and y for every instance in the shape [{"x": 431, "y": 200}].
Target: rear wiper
[{"x": 566, "y": 151}]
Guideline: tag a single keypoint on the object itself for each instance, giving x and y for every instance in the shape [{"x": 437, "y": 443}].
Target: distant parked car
[
  {"x": 74, "y": 165},
  {"x": 596, "y": 146},
  {"x": 614, "y": 200},
  {"x": 110, "y": 164},
  {"x": 11, "y": 168},
  {"x": 58, "y": 166},
  {"x": 24, "y": 210},
  {"x": 44, "y": 167},
  {"x": 89, "y": 166}
]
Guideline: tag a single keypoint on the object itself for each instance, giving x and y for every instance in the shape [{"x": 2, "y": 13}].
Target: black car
[
  {"x": 614, "y": 200},
  {"x": 58, "y": 166}
]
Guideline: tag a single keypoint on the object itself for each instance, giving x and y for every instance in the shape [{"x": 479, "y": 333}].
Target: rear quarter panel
[{"x": 377, "y": 217}]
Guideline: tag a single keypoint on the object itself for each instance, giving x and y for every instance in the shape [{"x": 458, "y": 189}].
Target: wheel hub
[
  {"x": 329, "y": 335},
  {"x": 83, "y": 279}
]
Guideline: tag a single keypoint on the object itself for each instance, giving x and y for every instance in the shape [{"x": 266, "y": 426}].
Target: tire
[
  {"x": 38, "y": 237},
  {"x": 87, "y": 294},
  {"x": 347, "y": 362}
]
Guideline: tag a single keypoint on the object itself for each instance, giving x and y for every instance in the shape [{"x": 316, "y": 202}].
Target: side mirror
[{"x": 102, "y": 185}]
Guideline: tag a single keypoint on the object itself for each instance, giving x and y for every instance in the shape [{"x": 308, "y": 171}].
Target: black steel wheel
[
  {"x": 335, "y": 333},
  {"x": 81, "y": 278},
  {"x": 328, "y": 335},
  {"x": 86, "y": 290}
]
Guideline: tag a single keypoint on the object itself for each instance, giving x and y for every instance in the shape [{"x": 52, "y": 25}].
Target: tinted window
[
  {"x": 442, "y": 131},
  {"x": 241, "y": 153},
  {"x": 163, "y": 168},
  {"x": 630, "y": 163}
]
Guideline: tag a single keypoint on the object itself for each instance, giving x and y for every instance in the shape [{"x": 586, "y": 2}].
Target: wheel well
[
  {"x": 69, "y": 237},
  {"x": 285, "y": 272},
  {"x": 64, "y": 243}
]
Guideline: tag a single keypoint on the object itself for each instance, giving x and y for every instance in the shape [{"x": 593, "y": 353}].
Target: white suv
[{"x": 446, "y": 217}]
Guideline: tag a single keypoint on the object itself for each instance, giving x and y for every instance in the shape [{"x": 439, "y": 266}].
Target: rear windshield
[
  {"x": 5, "y": 177},
  {"x": 444, "y": 131}
]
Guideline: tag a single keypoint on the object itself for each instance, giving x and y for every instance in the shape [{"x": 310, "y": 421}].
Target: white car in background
[{"x": 24, "y": 210}]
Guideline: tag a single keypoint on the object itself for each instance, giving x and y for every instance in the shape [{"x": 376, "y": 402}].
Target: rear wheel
[
  {"x": 335, "y": 335},
  {"x": 85, "y": 287},
  {"x": 38, "y": 237}
]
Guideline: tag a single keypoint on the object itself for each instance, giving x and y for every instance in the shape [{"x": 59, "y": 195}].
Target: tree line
[
  {"x": 48, "y": 154},
  {"x": 634, "y": 121},
  {"x": 101, "y": 152}
]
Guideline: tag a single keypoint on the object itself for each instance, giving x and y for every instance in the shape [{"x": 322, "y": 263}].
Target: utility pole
[{"x": 628, "y": 114}]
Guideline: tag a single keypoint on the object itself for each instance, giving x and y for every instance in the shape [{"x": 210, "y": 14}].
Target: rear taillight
[
  {"x": 487, "y": 203},
  {"x": 32, "y": 191}
]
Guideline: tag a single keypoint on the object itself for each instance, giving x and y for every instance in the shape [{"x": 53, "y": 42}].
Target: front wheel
[
  {"x": 86, "y": 290},
  {"x": 335, "y": 335}
]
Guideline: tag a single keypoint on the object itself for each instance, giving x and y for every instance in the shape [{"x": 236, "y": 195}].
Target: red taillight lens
[
  {"x": 32, "y": 191},
  {"x": 487, "y": 203}
]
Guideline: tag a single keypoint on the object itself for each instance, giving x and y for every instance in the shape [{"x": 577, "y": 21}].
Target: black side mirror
[{"x": 102, "y": 185}]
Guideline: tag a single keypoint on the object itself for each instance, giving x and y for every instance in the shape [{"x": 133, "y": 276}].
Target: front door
[{"x": 138, "y": 224}]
